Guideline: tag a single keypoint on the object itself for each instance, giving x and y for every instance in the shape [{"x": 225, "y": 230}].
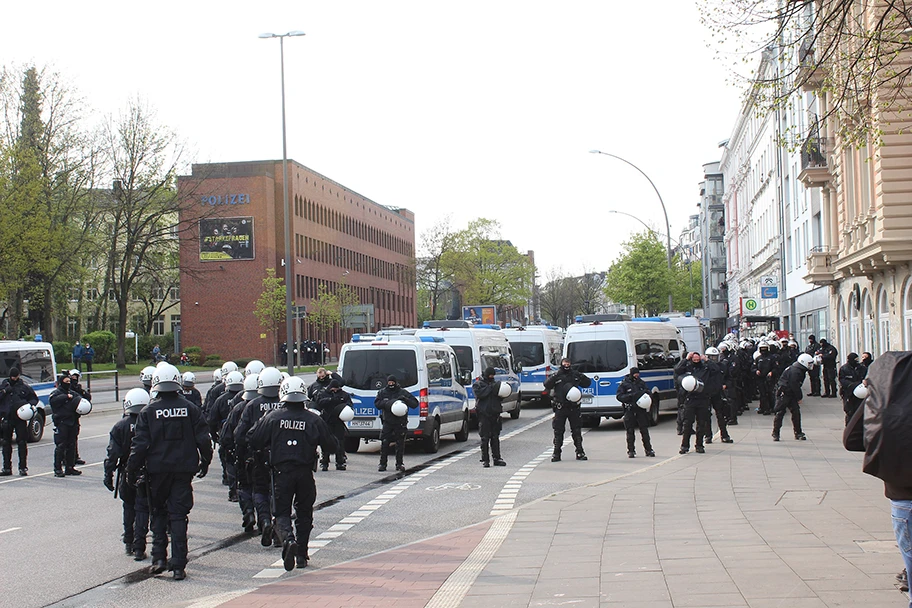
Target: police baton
[
  {"x": 117, "y": 481},
  {"x": 272, "y": 501}
]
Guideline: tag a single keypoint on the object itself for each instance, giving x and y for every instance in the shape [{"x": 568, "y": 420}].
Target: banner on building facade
[
  {"x": 480, "y": 314},
  {"x": 226, "y": 238}
]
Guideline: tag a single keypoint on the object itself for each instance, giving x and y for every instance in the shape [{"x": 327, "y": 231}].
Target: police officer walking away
[
  {"x": 394, "y": 426},
  {"x": 630, "y": 391},
  {"x": 788, "y": 395},
  {"x": 64, "y": 402},
  {"x": 291, "y": 435},
  {"x": 812, "y": 349},
  {"x": 829, "y": 354},
  {"x": 331, "y": 402},
  {"x": 135, "y": 501},
  {"x": 172, "y": 443},
  {"x": 489, "y": 406},
  {"x": 565, "y": 410},
  {"x": 14, "y": 393},
  {"x": 189, "y": 390}
]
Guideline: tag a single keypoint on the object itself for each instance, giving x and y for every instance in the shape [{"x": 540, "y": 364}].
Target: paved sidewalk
[{"x": 751, "y": 524}]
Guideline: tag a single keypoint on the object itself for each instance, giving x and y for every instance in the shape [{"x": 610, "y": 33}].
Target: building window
[
  {"x": 883, "y": 322},
  {"x": 92, "y": 294},
  {"x": 854, "y": 328},
  {"x": 72, "y": 326},
  {"x": 73, "y": 295},
  {"x": 175, "y": 321},
  {"x": 843, "y": 325},
  {"x": 867, "y": 315},
  {"x": 174, "y": 293},
  {"x": 158, "y": 326}
]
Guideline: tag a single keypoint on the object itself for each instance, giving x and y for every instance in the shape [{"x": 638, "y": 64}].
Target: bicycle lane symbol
[{"x": 454, "y": 486}]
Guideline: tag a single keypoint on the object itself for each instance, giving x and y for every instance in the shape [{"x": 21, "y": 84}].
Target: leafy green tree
[
  {"x": 640, "y": 277},
  {"x": 434, "y": 274},
  {"x": 687, "y": 285},
  {"x": 270, "y": 306},
  {"x": 325, "y": 312}
]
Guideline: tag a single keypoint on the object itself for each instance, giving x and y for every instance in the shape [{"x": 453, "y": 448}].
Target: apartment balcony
[
  {"x": 717, "y": 263},
  {"x": 819, "y": 267},
  {"x": 810, "y": 75},
  {"x": 814, "y": 170}
]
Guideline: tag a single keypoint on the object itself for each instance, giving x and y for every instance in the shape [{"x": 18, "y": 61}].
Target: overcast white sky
[{"x": 473, "y": 108}]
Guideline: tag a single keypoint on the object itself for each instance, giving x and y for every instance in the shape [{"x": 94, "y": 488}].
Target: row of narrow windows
[
  {"x": 327, "y": 253},
  {"x": 320, "y": 214},
  {"x": 382, "y": 299}
]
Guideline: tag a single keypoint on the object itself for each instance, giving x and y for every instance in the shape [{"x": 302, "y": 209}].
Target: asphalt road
[{"x": 67, "y": 531}]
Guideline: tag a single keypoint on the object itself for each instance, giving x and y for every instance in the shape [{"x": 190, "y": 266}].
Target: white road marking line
[
  {"x": 30, "y": 476},
  {"x": 506, "y": 500},
  {"x": 9, "y": 530}
]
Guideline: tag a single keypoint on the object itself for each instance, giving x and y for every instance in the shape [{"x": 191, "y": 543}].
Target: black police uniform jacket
[
  {"x": 631, "y": 389},
  {"x": 790, "y": 382},
  {"x": 318, "y": 386},
  {"x": 706, "y": 372},
  {"x": 291, "y": 435},
  {"x": 563, "y": 380},
  {"x": 63, "y": 407},
  {"x": 193, "y": 396},
  {"x": 219, "y": 411},
  {"x": 254, "y": 410},
  {"x": 83, "y": 392},
  {"x": 331, "y": 404},
  {"x": 215, "y": 391},
  {"x": 487, "y": 401},
  {"x": 227, "y": 437},
  {"x": 171, "y": 436},
  {"x": 14, "y": 395},
  {"x": 730, "y": 367},
  {"x": 119, "y": 444},
  {"x": 850, "y": 376},
  {"x": 385, "y": 399},
  {"x": 829, "y": 355},
  {"x": 764, "y": 364}
]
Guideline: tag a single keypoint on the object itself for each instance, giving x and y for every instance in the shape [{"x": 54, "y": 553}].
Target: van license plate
[
  {"x": 587, "y": 399},
  {"x": 364, "y": 423}
]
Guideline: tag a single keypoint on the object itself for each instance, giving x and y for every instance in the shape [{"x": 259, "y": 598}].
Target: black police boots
[
  {"x": 158, "y": 566},
  {"x": 289, "y": 554},
  {"x": 6, "y": 472},
  {"x": 249, "y": 523},
  {"x": 556, "y": 456},
  {"x": 179, "y": 574},
  {"x": 266, "y": 539}
]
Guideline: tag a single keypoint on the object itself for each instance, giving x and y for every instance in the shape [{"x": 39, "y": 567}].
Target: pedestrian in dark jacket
[
  {"x": 630, "y": 390},
  {"x": 565, "y": 410},
  {"x": 850, "y": 376},
  {"x": 488, "y": 407},
  {"x": 330, "y": 403},
  {"x": 394, "y": 427},
  {"x": 14, "y": 393}
]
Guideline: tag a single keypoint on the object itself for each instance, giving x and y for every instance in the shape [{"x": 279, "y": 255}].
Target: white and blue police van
[
  {"x": 424, "y": 366},
  {"x": 605, "y": 347},
  {"x": 478, "y": 347},
  {"x": 692, "y": 331},
  {"x": 38, "y": 369},
  {"x": 539, "y": 349}
]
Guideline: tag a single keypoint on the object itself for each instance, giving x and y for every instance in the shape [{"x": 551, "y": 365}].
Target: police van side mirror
[
  {"x": 465, "y": 377},
  {"x": 517, "y": 366}
]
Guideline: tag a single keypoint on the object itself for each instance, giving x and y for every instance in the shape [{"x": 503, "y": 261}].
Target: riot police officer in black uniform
[
  {"x": 813, "y": 349},
  {"x": 189, "y": 390},
  {"x": 217, "y": 388},
  {"x": 488, "y": 407},
  {"x": 14, "y": 393},
  {"x": 172, "y": 443},
  {"x": 789, "y": 395},
  {"x": 290, "y": 435},
  {"x": 564, "y": 410},
  {"x": 394, "y": 427},
  {"x": 829, "y": 355},
  {"x": 631, "y": 389},
  {"x": 321, "y": 384},
  {"x": 218, "y": 414},
  {"x": 330, "y": 403},
  {"x": 850, "y": 376},
  {"x": 705, "y": 382},
  {"x": 717, "y": 399},
  {"x": 135, "y": 500},
  {"x": 764, "y": 370},
  {"x": 64, "y": 402}
]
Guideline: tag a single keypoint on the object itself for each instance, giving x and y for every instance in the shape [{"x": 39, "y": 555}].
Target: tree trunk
[
  {"x": 121, "y": 333},
  {"x": 47, "y": 316}
]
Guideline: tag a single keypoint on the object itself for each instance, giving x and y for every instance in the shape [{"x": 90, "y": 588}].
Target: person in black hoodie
[
  {"x": 14, "y": 393},
  {"x": 394, "y": 427},
  {"x": 331, "y": 402},
  {"x": 63, "y": 402},
  {"x": 565, "y": 410},
  {"x": 633, "y": 387},
  {"x": 850, "y": 376},
  {"x": 489, "y": 406}
]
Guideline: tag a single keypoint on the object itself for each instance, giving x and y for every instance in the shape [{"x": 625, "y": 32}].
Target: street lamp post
[
  {"x": 289, "y": 321},
  {"x": 664, "y": 210}
]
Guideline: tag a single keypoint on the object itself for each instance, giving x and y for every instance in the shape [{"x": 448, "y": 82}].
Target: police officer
[
  {"x": 394, "y": 427},
  {"x": 135, "y": 501},
  {"x": 227, "y": 444},
  {"x": 829, "y": 355},
  {"x": 730, "y": 366},
  {"x": 322, "y": 383},
  {"x": 488, "y": 407},
  {"x": 189, "y": 390},
  {"x": 678, "y": 373},
  {"x": 629, "y": 392},
  {"x": 764, "y": 370},
  {"x": 789, "y": 394},
  {"x": 813, "y": 349},
  {"x": 172, "y": 443},
  {"x": 290, "y": 435},
  {"x": 86, "y": 394},
  {"x": 716, "y": 399},
  {"x": 64, "y": 402},
  {"x": 850, "y": 376},
  {"x": 705, "y": 380},
  {"x": 145, "y": 377},
  {"x": 564, "y": 410},
  {"x": 253, "y": 470},
  {"x": 218, "y": 413},
  {"x": 14, "y": 393},
  {"x": 330, "y": 403},
  {"x": 215, "y": 390}
]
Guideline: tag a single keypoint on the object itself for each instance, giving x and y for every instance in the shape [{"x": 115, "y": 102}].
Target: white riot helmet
[
  {"x": 691, "y": 384},
  {"x": 398, "y": 408},
  {"x": 228, "y": 367},
  {"x": 26, "y": 412},
  {"x": 860, "y": 391},
  {"x": 166, "y": 378},
  {"x": 729, "y": 336},
  {"x": 84, "y": 407},
  {"x": 645, "y": 401},
  {"x": 188, "y": 379},
  {"x": 135, "y": 400},
  {"x": 574, "y": 395},
  {"x": 293, "y": 390},
  {"x": 234, "y": 381},
  {"x": 285, "y": 376},
  {"x": 268, "y": 382},
  {"x": 217, "y": 375},
  {"x": 75, "y": 372},
  {"x": 250, "y": 386},
  {"x": 724, "y": 347},
  {"x": 806, "y": 360},
  {"x": 254, "y": 367},
  {"x": 160, "y": 364},
  {"x": 745, "y": 344},
  {"x": 712, "y": 351},
  {"x": 145, "y": 376},
  {"x": 756, "y": 355},
  {"x": 504, "y": 390},
  {"x": 346, "y": 414}
]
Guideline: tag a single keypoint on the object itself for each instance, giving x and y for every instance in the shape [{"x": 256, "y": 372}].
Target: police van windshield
[
  {"x": 34, "y": 365},
  {"x": 529, "y": 353},
  {"x": 598, "y": 355},
  {"x": 368, "y": 369},
  {"x": 464, "y": 357}
]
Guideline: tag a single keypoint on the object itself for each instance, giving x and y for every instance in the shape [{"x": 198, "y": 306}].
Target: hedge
[{"x": 103, "y": 342}]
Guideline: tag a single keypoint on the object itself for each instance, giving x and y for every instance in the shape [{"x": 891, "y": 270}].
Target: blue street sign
[{"x": 769, "y": 293}]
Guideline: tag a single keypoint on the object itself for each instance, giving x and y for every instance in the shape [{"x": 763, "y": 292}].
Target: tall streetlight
[
  {"x": 664, "y": 210},
  {"x": 289, "y": 321}
]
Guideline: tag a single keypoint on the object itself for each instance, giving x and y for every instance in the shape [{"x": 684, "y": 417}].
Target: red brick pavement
[{"x": 407, "y": 577}]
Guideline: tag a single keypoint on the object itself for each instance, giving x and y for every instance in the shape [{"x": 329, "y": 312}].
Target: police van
[
  {"x": 38, "y": 369},
  {"x": 692, "y": 332},
  {"x": 539, "y": 349},
  {"x": 478, "y": 347},
  {"x": 606, "y": 350},
  {"x": 424, "y": 366}
]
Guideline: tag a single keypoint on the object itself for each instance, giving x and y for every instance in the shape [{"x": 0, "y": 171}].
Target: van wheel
[
  {"x": 654, "y": 412},
  {"x": 514, "y": 413},
  {"x": 35, "y": 428},
  {"x": 593, "y": 422},
  {"x": 463, "y": 433},
  {"x": 352, "y": 444},
  {"x": 432, "y": 441}
]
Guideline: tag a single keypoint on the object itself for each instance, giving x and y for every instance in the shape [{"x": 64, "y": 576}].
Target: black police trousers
[
  {"x": 814, "y": 376},
  {"x": 65, "y": 450},
  {"x": 135, "y": 514},
  {"x": 829, "y": 380},
  {"x": 786, "y": 402},
  {"x": 489, "y": 426},
  {"x": 765, "y": 386},
  {"x": 338, "y": 429},
  {"x": 14, "y": 424},
  {"x": 392, "y": 433},
  {"x": 635, "y": 418},
  {"x": 170, "y": 501},
  {"x": 702, "y": 415},
  {"x": 567, "y": 413},
  {"x": 294, "y": 485},
  {"x": 720, "y": 407}
]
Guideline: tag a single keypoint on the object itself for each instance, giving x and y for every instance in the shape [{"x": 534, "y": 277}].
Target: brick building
[{"x": 236, "y": 233}]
